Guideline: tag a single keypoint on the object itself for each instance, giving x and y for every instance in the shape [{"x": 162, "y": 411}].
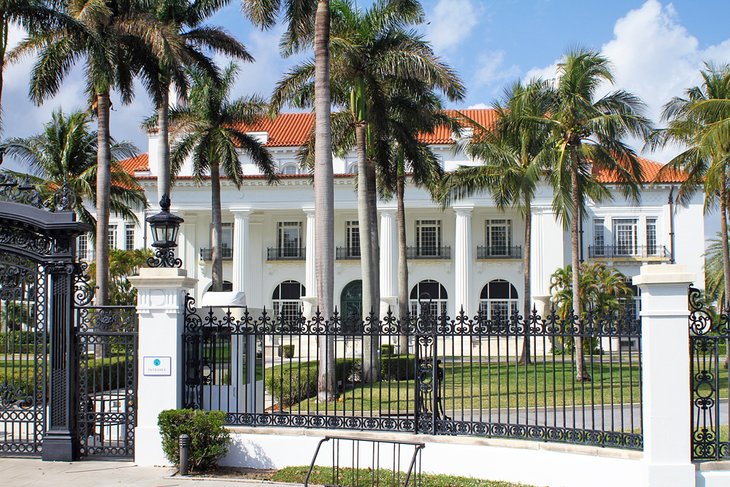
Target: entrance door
[{"x": 351, "y": 301}]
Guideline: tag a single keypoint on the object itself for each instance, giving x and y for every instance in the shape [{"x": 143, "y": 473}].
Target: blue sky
[{"x": 656, "y": 47}]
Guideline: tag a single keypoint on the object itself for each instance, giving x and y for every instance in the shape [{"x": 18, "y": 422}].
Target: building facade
[{"x": 468, "y": 255}]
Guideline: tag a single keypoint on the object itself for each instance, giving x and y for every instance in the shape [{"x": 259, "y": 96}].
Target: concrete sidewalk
[{"x": 17, "y": 472}]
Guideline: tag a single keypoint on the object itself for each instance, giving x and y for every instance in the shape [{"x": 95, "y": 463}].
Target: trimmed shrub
[
  {"x": 398, "y": 367},
  {"x": 18, "y": 342},
  {"x": 294, "y": 382},
  {"x": 286, "y": 351},
  {"x": 209, "y": 439},
  {"x": 386, "y": 350}
]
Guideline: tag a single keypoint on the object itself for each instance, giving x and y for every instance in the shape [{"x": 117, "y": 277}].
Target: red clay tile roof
[
  {"x": 650, "y": 170},
  {"x": 294, "y": 129},
  {"x": 139, "y": 162}
]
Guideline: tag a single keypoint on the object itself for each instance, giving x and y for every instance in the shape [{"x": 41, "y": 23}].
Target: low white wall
[
  {"x": 713, "y": 474},
  {"x": 530, "y": 462}
]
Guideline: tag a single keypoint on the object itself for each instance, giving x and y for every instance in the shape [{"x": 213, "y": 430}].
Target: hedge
[
  {"x": 107, "y": 374},
  {"x": 294, "y": 382},
  {"x": 18, "y": 341}
]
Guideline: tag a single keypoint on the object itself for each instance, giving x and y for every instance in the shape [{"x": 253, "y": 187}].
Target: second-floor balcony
[
  {"x": 628, "y": 252},
  {"x": 499, "y": 252},
  {"x": 226, "y": 253},
  {"x": 285, "y": 253},
  {"x": 428, "y": 252},
  {"x": 348, "y": 253}
]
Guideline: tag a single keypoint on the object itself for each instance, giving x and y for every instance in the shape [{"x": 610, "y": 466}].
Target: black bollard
[{"x": 184, "y": 455}]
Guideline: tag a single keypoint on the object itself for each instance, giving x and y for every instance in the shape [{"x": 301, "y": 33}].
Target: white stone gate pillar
[
  {"x": 160, "y": 304},
  {"x": 666, "y": 375}
]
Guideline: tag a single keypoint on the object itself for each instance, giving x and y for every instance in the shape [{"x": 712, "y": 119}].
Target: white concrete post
[
  {"x": 241, "y": 232},
  {"x": 309, "y": 302},
  {"x": 388, "y": 261},
  {"x": 160, "y": 303},
  {"x": 463, "y": 261},
  {"x": 666, "y": 375}
]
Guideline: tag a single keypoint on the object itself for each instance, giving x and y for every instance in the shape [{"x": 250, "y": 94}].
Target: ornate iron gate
[
  {"x": 708, "y": 339},
  {"x": 106, "y": 349}
]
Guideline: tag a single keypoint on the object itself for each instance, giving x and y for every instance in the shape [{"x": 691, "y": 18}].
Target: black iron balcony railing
[
  {"x": 285, "y": 253},
  {"x": 428, "y": 252},
  {"x": 226, "y": 253},
  {"x": 348, "y": 253},
  {"x": 499, "y": 252},
  {"x": 631, "y": 252}
]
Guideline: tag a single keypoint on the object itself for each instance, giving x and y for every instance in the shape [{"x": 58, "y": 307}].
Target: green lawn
[{"x": 384, "y": 478}]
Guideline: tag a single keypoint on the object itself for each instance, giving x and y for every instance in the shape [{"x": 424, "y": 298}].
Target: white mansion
[{"x": 467, "y": 255}]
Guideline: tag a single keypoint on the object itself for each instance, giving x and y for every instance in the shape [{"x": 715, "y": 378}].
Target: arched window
[
  {"x": 351, "y": 168},
  {"x": 429, "y": 296},
  {"x": 498, "y": 300},
  {"x": 227, "y": 286},
  {"x": 289, "y": 168},
  {"x": 287, "y": 301}
]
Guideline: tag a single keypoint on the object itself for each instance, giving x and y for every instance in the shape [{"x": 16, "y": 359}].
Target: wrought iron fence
[
  {"x": 433, "y": 375},
  {"x": 708, "y": 339}
]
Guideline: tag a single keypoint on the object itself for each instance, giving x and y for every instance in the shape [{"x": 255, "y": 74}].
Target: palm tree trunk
[
  {"x": 366, "y": 249},
  {"x": 525, "y": 356},
  {"x": 324, "y": 202},
  {"x": 163, "y": 147},
  {"x": 402, "y": 260},
  {"x": 580, "y": 372},
  {"x": 725, "y": 305},
  {"x": 217, "y": 237},
  {"x": 103, "y": 188},
  {"x": 4, "y": 27}
]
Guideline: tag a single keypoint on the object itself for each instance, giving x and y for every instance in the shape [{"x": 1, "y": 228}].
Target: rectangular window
[
  {"x": 112, "y": 236},
  {"x": 625, "y": 236},
  {"x": 428, "y": 238},
  {"x": 599, "y": 237},
  {"x": 352, "y": 230},
  {"x": 83, "y": 244},
  {"x": 129, "y": 237},
  {"x": 226, "y": 240},
  {"x": 290, "y": 239},
  {"x": 651, "y": 246},
  {"x": 498, "y": 237}
]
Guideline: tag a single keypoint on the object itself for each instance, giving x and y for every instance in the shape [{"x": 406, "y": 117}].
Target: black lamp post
[{"x": 165, "y": 227}]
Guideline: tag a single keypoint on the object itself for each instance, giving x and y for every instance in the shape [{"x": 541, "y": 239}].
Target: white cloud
[
  {"x": 655, "y": 57},
  {"x": 492, "y": 71},
  {"x": 478, "y": 106},
  {"x": 451, "y": 22}
]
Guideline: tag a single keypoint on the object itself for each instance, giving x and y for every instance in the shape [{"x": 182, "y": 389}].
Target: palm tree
[
  {"x": 696, "y": 121},
  {"x": 186, "y": 19},
  {"x": 309, "y": 22},
  {"x": 371, "y": 49},
  {"x": 714, "y": 270},
  {"x": 588, "y": 135},
  {"x": 115, "y": 39},
  {"x": 211, "y": 132},
  {"x": 28, "y": 14},
  {"x": 514, "y": 158},
  {"x": 65, "y": 154}
]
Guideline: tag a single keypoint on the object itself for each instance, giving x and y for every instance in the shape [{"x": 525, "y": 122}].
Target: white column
[
  {"x": 666, "y": 375},
  {"x": 187, "y": 249},
  {"x": 310, "y": 271},
  {"x": 388, "y": 261},
  {"x": 160, "y": 305},
  {"x": 463, "y": 260},
  {"x": 241, "y": 232}
]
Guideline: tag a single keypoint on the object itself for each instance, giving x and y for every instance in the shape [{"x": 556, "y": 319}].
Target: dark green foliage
[
  {"x": 387, "y": 349},
  {"x": 296, "y": 381},
  {"x": 209, "y": 438},
  {"x": 398, "y": 367},
  {"x": 286, "y": 351},
  {"x": 18, "y": 342}
]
